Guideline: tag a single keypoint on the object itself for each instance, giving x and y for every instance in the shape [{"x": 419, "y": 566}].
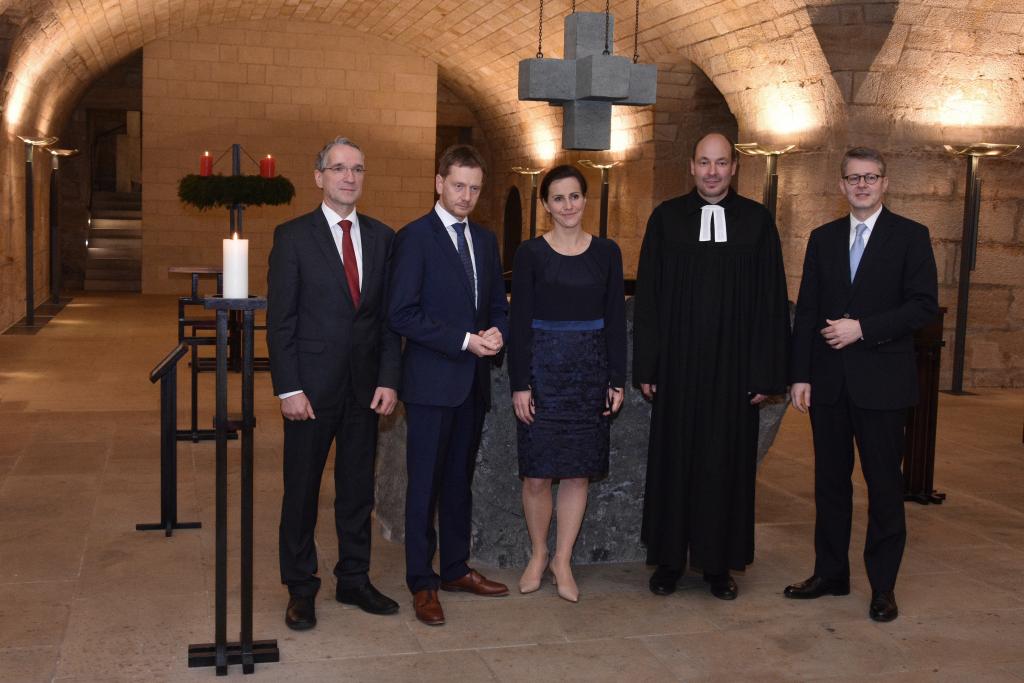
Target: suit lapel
[
  {"x": 444, "y": 242},
  {"x": 322, "y": 236},
  {"x": 478, "y": 256},
  {"x": 368, "y": 237},
  {"x": 880, "y": 234},
  {"x": 841, "y": 237}
]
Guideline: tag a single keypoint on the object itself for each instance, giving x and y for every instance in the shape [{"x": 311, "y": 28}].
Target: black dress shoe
[
  {"x": 722, "y": 586},
  {"x": 301, "y": 614},
  {"x": 816, "y": 586},
  {"x": 367, "y": 598},
  {"x": 883, "y": 606},
  {"x": 663, "y": 580}
]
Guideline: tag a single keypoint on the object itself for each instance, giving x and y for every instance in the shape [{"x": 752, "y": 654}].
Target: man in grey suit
[{"x": 335, "y": 366}]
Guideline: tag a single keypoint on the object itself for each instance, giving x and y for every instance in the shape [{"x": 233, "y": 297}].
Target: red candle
[
  {"x": 205, "y": 164},
  {"x": 267, "y": 167}
]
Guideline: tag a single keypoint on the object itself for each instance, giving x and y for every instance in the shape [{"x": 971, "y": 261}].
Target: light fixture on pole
[
  {"x": 770, "y": 197},
  {"x": 30, "y": 224},
  {"x": 55, "y": 260},
  {"x": 532, "y": 173},
  {"x": 604, "y": 168},
  {"x": 969, "y": 245}
]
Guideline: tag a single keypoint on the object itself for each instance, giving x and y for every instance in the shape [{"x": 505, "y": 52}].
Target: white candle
[{"x": 236, "y": 268}]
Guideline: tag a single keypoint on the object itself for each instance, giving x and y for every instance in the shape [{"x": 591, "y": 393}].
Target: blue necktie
[
  {"x": 463, "y": 249},
  {"x": 857, "y": 250}
]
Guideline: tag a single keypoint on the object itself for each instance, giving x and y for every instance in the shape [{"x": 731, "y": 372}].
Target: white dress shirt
[
  {"x": 334, "y": 220},
  {"x": 869, "y": 222},
  {"x": 448, "y": 220}
]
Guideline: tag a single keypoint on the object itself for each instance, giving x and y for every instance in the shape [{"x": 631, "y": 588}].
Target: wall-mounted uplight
[
  {"x": 969, "y": 244},
  {"x": 31, "y": 142},
  {"x": 56, "y": 267},
  {"x": 604, "y": 168},
  {"x": 532, "y": 173},
  {"x": 771, "y": 177}
]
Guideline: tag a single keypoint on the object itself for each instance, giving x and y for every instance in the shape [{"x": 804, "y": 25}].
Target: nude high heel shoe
[
  {"x": 567, "y": 589},
  {"x": 530, "y": 582}
]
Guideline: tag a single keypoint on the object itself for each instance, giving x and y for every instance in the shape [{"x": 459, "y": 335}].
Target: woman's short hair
[{"x": 561, "y": 173}]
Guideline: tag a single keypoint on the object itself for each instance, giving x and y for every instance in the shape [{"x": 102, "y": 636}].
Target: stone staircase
[{"x": 114, "y": 261}]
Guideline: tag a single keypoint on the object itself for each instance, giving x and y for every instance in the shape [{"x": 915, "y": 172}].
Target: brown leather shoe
[
  {"x": 475, "y": 583},
  {"x": 428, "y": 607}
]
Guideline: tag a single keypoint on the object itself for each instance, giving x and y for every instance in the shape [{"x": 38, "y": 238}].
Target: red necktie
[{"x": 348, "y": 252}]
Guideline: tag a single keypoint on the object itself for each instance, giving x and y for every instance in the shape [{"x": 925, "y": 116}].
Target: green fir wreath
[{"x": 205, "y": 192}]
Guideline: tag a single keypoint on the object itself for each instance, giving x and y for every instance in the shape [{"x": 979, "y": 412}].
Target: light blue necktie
[
  {"x": 463, "y": 249},
  {"x": 857, "y": 250}
]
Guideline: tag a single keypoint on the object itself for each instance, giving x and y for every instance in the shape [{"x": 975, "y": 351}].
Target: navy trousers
[{"x": 441, "y": 445}]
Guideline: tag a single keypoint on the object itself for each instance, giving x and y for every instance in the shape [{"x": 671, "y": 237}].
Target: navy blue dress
[{"x": 567, "y": 342}]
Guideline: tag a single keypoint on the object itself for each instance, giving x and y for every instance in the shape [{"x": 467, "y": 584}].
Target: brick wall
[{"x": 283, "y": 89}]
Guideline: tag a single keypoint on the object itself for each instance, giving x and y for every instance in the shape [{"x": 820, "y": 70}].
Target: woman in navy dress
[{"x": 567, "y": 370}]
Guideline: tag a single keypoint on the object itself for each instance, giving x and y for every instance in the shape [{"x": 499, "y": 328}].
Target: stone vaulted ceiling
[
  {"x": 62, "y": 45},
  {"x": 782, "y": 65}
]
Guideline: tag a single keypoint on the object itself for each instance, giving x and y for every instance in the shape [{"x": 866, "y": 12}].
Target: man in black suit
[
  {"x": 335, "y": 366},
  {"x": 869, "y": 282}
]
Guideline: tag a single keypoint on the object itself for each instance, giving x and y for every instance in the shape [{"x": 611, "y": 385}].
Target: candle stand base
[{"x": 205, "y": 654}]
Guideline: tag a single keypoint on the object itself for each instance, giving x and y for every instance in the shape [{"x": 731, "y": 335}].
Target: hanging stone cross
[{"x": 587, "y": 82}]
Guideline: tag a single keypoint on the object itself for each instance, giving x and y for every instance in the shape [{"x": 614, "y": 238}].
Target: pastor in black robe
[{"x": 711, "y": 329}]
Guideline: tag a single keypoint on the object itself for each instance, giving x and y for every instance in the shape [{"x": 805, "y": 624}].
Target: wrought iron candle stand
[{"x": 245, "y": 651}]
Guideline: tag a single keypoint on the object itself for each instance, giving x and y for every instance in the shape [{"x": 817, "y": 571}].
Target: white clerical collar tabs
[{"x": 706, "y": 212}]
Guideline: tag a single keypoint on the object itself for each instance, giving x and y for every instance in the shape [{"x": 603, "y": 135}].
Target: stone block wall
[{"x": 282, "y": 89}]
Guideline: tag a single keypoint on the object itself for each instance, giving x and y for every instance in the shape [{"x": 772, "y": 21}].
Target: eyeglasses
[
  {"x": 855, "y": 178},
  {"x": 342, "y": 169}
]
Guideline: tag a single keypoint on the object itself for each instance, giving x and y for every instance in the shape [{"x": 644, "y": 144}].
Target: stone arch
[
  {"x": 688, "y": 106},
  {"x": 944, "y": 74}
]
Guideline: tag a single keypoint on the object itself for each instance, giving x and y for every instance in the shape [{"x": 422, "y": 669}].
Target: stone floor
[{"x": 85, "y": 597}]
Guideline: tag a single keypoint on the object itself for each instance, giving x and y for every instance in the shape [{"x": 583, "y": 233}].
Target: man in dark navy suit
[
  {"x": 869, "y": 282},
  {"x": 447, "y": 299},
  {"x": 335, "y": 366}
]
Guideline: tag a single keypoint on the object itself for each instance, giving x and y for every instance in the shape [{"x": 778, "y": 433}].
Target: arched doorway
[{"x": 513, "y": 227}]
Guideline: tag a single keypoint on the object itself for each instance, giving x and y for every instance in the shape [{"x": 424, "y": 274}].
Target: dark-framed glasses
[
  {"x": 341, "y": 169},
  {"x": 855, "y": 178}
]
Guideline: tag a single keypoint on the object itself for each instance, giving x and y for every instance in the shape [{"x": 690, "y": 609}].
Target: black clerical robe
[{"x": 711, "y": 329}]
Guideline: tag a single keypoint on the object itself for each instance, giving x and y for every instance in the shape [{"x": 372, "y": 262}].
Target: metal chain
[
  {"x": 540, "y": 31},
  {"x": 607, "y": 22},
  {"x": 574, "y": 6},
  {"x": 636, "y": 35}
]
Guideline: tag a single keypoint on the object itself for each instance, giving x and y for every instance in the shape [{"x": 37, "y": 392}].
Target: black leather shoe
[
  {"x": 816, "y": 586},
  {"x": 367, "y": 598},
  {"x": 301, "y": 614},
  {"x": 663, "y": 580},
  {"x": 883, "y": 606},
  {"x": 722, "y": 586}
]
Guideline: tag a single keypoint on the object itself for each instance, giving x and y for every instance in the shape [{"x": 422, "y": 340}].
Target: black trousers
[
  {"x": 307, "y": 443},
  {"x": 879, "y": 438}
]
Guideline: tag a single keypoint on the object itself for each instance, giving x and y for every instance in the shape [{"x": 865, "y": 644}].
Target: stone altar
[{"x": 611, "y": 528}]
